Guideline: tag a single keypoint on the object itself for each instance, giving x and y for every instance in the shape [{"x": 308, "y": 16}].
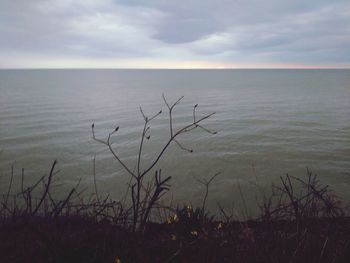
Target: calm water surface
[{"x": 269, "y": 123}]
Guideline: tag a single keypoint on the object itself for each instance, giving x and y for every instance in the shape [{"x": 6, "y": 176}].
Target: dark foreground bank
[
  {"x": 301, "y": 221},
  {"x": 187, "y": 239}
]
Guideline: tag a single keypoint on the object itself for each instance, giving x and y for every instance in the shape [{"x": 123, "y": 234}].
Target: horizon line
[{"x": 171, "y": 68}]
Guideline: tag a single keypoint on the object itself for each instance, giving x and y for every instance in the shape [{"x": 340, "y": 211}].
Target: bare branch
[
  {"x": 182, "y": 130},
  {"x": 144, "y": 196},
  {"x": 94, "y": 173},
  {"x": 47, "y": 188},
  {"x": 141, "y": 145},
  {"x": 206, "y": 183},
  {"x": 5, "y": 204},
  {"x": 108, "y": 144},
  {"x": 155, "y": 116},
  {"x": 182, "y": 147},
  {"x": 143, "y": 115}
]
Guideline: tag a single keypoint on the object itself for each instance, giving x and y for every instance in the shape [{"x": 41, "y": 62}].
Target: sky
[{"x": 174, "y": 34}]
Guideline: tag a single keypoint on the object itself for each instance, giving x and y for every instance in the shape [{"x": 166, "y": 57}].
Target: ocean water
[{"x": 268, "y": 123}]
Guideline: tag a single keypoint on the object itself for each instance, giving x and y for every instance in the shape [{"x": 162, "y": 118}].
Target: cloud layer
[{"x": 158, "y": 33}]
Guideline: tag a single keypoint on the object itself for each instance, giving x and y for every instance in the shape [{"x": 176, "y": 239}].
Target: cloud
[{"x": 198, "y": 32}]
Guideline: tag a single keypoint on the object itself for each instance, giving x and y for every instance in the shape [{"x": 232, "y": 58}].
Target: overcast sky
[{"x": 174, "y": 33}]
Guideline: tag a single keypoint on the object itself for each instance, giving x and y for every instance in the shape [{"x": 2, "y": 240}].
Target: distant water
[{"x": 269, "y": 123}]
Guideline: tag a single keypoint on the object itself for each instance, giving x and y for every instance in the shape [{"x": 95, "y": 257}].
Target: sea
[{"x": 267, "y": 123}]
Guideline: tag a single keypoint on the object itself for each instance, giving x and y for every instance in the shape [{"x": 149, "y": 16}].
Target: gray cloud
[{"x": 314, "y": 32}]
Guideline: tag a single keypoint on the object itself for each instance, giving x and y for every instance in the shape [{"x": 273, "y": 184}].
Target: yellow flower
[
  {"x": 172, "y": 219},
  {"x": 189, "y": 211},
  {"x": 194, "y": 233},
  {"x": 220, "y": 225}
]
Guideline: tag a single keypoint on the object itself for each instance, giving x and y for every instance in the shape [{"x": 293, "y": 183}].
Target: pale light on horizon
[{"x": 159, "y": 64}]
